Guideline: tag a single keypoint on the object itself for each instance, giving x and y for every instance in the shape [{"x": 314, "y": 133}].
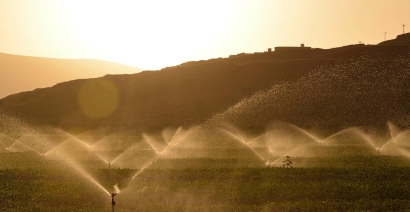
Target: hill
[
  {"x": 24, "y": 73},
  {"x": 327, "y": 90},
  {"x": 403, "y": 39},
  {"x": 152, "y": 100}
]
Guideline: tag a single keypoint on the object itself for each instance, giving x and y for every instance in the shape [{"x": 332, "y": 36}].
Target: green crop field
[{"x": 348, "y": 183}]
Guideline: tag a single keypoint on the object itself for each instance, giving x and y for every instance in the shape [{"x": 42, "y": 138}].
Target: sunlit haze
[
  {"x": 156, "y": 34},
  {"x": 204, "y": 105}
]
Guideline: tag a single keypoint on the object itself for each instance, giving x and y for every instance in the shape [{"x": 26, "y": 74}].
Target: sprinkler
[{"x": 113, "y": 200}]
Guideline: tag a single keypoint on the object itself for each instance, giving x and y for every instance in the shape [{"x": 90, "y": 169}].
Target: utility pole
[
  {"x": 403, "y": 27},
  {"x": 385, "y": 35}
]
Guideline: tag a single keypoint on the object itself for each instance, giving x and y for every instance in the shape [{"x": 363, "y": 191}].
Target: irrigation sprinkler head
[{"x": 112, "y": 198}]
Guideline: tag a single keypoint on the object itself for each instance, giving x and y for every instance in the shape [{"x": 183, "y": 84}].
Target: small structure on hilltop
[
  {"x": 301, "y": 52},
  {"x": 293, "y": 49}
]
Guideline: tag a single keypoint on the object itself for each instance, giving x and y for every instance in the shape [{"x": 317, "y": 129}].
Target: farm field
[
  {"x": 346, "y": 183},
  {"x": 236, "y": 106}
]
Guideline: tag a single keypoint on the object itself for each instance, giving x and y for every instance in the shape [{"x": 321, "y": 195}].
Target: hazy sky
[{"x": 154, "y": 34}]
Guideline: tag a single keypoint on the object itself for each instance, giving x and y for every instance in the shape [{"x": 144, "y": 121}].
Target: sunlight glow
[
  {"x": 129, "y": 32},
  {"x": 155, "y": 34}
]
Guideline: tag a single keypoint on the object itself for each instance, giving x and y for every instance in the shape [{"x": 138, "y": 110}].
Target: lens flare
[{"x": 98, "y": 98}]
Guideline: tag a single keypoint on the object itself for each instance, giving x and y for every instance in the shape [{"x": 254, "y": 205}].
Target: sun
[{"x": 149, "y": 34}]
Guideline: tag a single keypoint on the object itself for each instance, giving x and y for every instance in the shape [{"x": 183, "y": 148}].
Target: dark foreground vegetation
[
  {"x": 359, "y": 183},
  {"x": 256, "y": 189}
]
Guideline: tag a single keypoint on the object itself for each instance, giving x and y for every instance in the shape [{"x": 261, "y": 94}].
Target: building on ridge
[{"x": 293, "y": 49}]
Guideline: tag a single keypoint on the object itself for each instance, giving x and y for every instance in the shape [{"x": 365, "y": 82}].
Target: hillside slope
[
  {"x": 403, "y": 39},
  {"x": 152, "y": 100},
  {"x": 366, "y": 93},
  {"x": 329, "y": 91},
  {"x": 24, "y": 73}
]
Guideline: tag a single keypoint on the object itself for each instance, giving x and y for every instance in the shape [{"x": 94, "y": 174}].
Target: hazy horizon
[
  {"x": 152, "y": 35},
  {"x": 21, "y": 73}
]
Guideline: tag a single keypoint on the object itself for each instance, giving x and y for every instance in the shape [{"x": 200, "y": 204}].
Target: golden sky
[{"x": 153, "y": 34}]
